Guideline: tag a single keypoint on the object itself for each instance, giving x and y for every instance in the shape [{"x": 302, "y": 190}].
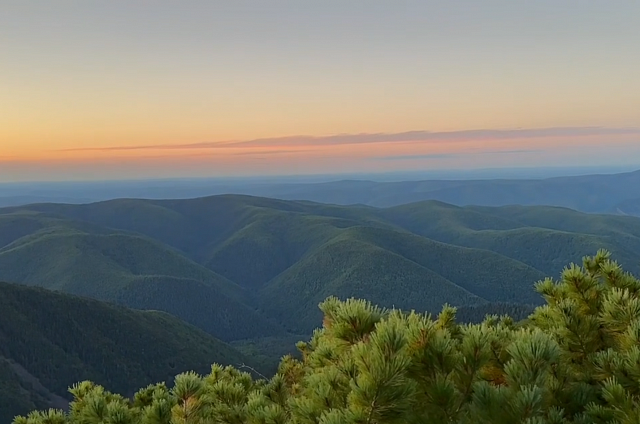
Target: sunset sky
[{"x": 139, "y": 88}]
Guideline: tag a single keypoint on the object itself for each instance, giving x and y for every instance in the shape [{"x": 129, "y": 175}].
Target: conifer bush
[{"x": 574, "y": 360}]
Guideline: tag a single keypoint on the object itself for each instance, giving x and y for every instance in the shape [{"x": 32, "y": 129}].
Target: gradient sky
[{"x": 140, "y": 88}]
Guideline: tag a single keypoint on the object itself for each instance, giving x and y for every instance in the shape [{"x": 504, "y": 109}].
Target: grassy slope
[{"x": 52, "y": 340}]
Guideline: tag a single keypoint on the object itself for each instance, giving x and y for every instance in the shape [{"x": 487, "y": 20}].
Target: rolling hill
[
  {"x": 395, "y": 268},
  {"x": 599, "y": 193},
  {"x": 49, "y": 341},
  {"x": 130, "y": 269},
  {"x": 242, "y": 267},
  {"x": 544, "y": 237},
  {"x": 587, "y": 193}
]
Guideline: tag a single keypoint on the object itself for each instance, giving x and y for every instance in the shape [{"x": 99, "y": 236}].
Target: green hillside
[
  {"x": 396, "y": 269},
  {"x": 49, "y": 341},
  {"x": 243, "y": 267},
  {"x": 129, "y": 269},
  {"x": 347, "y": 267}
]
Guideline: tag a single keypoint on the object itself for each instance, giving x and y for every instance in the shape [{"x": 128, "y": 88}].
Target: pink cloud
[{"x": 383, "y": 138}]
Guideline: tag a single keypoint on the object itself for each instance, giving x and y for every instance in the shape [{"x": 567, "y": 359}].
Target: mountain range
[
  {"x": 588, "y": 193},
  {"x": 131, "y": 291},
  {"x": 242, "y": 267},
  {"x": 597, "y": 193}
]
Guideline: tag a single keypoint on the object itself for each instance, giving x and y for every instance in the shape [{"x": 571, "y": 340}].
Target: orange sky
[
  {"x": 303, "y": 155},
  {"x": 122, "y": 74}
]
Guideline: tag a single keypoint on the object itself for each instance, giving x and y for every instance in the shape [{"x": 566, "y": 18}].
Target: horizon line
[{"x": 612, "y": 170}]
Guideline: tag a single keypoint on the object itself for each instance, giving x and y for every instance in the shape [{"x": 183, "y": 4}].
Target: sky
[{"x": 141, "y": 89}]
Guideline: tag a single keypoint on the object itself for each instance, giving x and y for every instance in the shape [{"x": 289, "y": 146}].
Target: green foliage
[
  {"x": 14, "y": 398},
  {"x": 269, "y": 350},
  {"x": 50, "y": 340},
  {"x": 576, "y": 359}
]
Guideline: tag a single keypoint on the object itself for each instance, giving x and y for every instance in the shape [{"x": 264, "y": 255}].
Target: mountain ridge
[
  {"x": 242, "y": 267},
  {"x": 592, "y": 192}
]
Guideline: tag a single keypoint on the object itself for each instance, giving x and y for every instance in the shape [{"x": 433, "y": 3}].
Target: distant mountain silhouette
[{"x": 587, "y": 193}]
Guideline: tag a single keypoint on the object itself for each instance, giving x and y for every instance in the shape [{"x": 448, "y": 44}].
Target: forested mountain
[
  {"x": 587, "y": 193},
  {"x": 127, "y": 268},
  {"x": 49, "y": 341},
  {"x": 574, "y": 360},
  {"x": 242, "y": 267},
  {"x": 600, "y": 193}
]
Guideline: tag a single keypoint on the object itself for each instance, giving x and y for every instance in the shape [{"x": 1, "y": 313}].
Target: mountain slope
[
  {"x": 243, "y": 267},
  {"x": 347, "y": 267},
  {"x": 49, "y": 341},
  {"x": 395, "y": 269},
  {"x": 545, "y": 238},
  {"x": 134, "y": 271}
]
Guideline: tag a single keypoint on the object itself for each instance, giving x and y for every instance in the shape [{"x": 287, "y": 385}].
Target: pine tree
[{"x": 574, "y": 360}]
